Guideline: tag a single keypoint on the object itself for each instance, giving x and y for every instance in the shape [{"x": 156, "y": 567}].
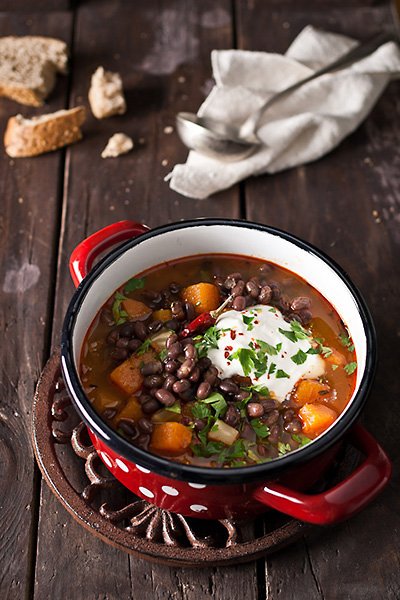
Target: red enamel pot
[{"x": 216, "y": 493}]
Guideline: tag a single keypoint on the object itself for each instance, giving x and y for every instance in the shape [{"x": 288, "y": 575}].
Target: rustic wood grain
[
  {"x": 28, "y": 225},
  {"x": 347, "y": 204}
]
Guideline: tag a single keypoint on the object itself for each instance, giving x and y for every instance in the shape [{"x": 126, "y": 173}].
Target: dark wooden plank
[
  {"x": 347, "y": 205},
  {"x": 29, "y": 222},
  {"x": 19, "y": 6},
  {"x": 162, "y": 51}
]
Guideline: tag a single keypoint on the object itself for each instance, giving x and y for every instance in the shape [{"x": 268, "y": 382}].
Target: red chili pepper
[{"x": 203, "y": 321}]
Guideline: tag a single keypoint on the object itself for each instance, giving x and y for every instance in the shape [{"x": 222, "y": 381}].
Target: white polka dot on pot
[
  {"x": 106, "y": 459},
  {"x": 170, "y": 490},
  {"x": 197, "y": 486},
  {"x": 122, "y": 465},
  {"x": 146, "y": 492},
  {"x": 143, "y": 469},
  {"x": 198, "y": 508}
]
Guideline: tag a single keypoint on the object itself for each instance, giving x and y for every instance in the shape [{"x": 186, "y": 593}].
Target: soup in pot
[{"x": 271, "y": 373}]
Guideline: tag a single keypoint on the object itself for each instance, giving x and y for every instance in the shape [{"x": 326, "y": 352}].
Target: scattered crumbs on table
[{"x": 168, "y": 129}]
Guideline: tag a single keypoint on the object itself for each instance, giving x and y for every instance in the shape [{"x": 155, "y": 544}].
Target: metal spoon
[{"x": 229, "y": 143}]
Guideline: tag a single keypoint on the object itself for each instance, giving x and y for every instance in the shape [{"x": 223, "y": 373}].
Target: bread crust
[{"x": 31, "y": 137}]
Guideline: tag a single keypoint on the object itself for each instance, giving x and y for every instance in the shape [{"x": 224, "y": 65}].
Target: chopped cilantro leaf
[
  {"x": 301, "y": 439},
  {"x": 249, "y": 322},
  {"x": 144, "y": 347},
  {"x": 246, "y": 358},
  {"x": 299, "y": 330},
  {"x": 291, "y": 335},
  {"x": 200, "y": 410},
  {"x": 299, "y": 358},
  {"x": 280, "y": 374},
  {"x": 134, "y": 284},
  {"x": 260, "y": 429},
  {"x": 176, "y": 408},
  {"x": 283, "y": 448},
  {"x": 118, "y": 314},
  {"x": 265, "y": 347},
  {"x": 272, "y": 369},
  {"x": 350, "y": 368}
]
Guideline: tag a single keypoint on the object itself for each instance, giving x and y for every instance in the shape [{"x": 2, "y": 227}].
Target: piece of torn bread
[
  {"x": 30, "y": 137},
  {"x": 106, "y": 96},
  {"x": 118, "y": 144},
  {"x": 29, "y": 65}
]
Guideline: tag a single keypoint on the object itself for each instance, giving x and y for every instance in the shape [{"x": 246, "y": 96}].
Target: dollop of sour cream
[{"x": 259, "y": 343}]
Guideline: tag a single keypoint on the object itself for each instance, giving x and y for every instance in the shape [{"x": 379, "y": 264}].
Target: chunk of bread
[
  {"x": 106, "y": 96},
  {"x": 30, "y": 137},
  {"x": 28, "y": 67},
  {"x": 118, "y": 144}
]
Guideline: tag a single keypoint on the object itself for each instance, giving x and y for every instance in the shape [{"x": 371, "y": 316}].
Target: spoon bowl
[
  {"x": 228, "y": 143},
  {"x": 213, "y": 138}
]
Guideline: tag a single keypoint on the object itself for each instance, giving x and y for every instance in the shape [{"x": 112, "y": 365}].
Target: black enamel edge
[{"x": 207, "y": 475}]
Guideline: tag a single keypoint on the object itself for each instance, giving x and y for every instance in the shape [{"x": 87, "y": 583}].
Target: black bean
[
  {"x": 175, "y": 287},
  {"x": 203, "y": 363},
  {"x": 152, "y": 381},
  {"x": 181, "y": 386},
  {"x": 247, "y": 431},
  {"x": 252, "y": 288},
  {"x": 174, "y": 350},
  {"x": 170, "y": 366},
  {"x": 123, "y": 342},
  {"x": 284, "y": 302},
  {"x": 112, "y": 337},
  {"x": 128, "y": 428},
  {"x": 199, "y": 424},
  {"x": 150, "y": 406},
  {"x": 146, "y": 425},
  {"x": 187, "y": 395},
  {"x": 127, "y": 330},
  {"x": 140, "y": 330},
  {"x": 190, "y": 351},
  {"x": 165, "y": 397},
  {"x": 274, "y": 434},
  {"x": 269, "y": 403},
  {"x": 239, "y": 303},
  {"x": 232, "y": 416},
  {"x": 171, "y": 339},
  {"x": 288, "y": 414},
  {"x": 187, "y": 341},
  {"x": 168, "y": 382},
  {"x": 195, "y": 374},
  {"x": 276, "y": 290},
  {"x": 265, "y": 295},
  {"x": 190, "y": 311},
  {"x": 271, "y": 417},
  {"x": 134, "y": 345},
  {"x": 305, "y": 316},
  {"x": 293, "y": 426},
  {"x": 204, "y": 390},
  {"x": 151, "y": 368},
  {"x": 178, "y": 311},
  {"x": 185, "y": 369},
  {"x": 265, "y": 269},
  {"x": 300, "y": 302},
  {"x": 143, "y": 440},
  {"x": 262, "y": 450},
  {"x": 230, "y": 282},
  {"x": 210, "y": 375},
  {"x": 241, "y": 395},
  {"x": 228, "y": 386},
  {"x": 106, "y": 317},
  {"x": 255, "y": 409},
  {"x": 119, "y": 354},
  {"x": 172, "y": 324},
  {"x": 155, "y": 326},
  {"x": 238, "y": 289},
  {"x": 109, "y": 413},
  {"x": 152, "y": 295},
  {"x": 216, "y": 271}
]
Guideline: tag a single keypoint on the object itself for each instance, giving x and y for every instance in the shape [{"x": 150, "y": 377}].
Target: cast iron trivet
[{"x": 96, "y": 499}]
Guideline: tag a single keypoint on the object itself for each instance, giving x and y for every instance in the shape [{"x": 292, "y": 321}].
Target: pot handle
[
  {"x": 341, "y": 501},
  {"x": 82, "y": 257}
]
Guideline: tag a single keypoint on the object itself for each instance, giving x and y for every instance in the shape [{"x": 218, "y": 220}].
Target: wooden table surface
[{"x": 347, "y": 204}]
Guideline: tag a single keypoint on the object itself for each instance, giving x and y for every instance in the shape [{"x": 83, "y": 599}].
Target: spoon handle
[{"x": 360, "y": 51}]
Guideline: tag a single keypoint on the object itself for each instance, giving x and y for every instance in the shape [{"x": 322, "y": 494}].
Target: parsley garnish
[
  {"x": 280, "y": 374},
  {"x": 261, "y": 430},
  {"x": 346, "y": 341},
  {"x": 350, "y": 368},
  {"x": 144, "y": 347},
  {"x": 246, "y": 358},
  {"x": 119, "y": 315},
  {"x": 176, "y": 408},
  {"x": 134, "y": 284},
  {"x": 299, "y": 358},
  {"x": 283, "y": 448},
  {"x": 301, "y": 439},
  {"x": 249, "y": 322},
  {"x": 265, "y": 347}
]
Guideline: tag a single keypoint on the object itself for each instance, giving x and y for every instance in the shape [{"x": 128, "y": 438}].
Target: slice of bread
[
  {"x": 118, "y": 144},
  {"x": 106, "y": 96},
  {"x": 30, "y": 137},
  {"x": 28, "y": 67}
]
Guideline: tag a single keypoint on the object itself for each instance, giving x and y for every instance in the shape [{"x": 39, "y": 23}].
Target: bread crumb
[
  {"x": 106, "y": 96},
  {"x": 118, "y": 144}
]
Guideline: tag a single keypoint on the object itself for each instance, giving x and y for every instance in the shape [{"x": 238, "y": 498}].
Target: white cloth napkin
[{"x": 299, "y": 128}]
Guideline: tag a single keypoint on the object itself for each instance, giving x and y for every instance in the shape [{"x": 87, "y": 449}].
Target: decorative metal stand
[{"x": 95, "y": 498}]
